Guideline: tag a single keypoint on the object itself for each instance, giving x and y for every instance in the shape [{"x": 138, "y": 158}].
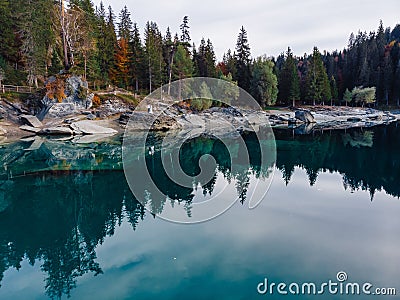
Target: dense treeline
[{"x": 38, "y": 38}]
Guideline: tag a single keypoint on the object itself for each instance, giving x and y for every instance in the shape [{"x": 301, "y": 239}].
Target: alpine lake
[{"x": 71, "y": 227}]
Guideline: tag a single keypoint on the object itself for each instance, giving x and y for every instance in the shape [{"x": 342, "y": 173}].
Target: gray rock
[
  {"x": 304, "y": 116},
  {"x": 89, "y": 101},
  {"x": 30, "y": 128},
  {"x": 57, "y": 131},
  {"x": 124, "y": 118},
  {"x": 31, "y": 121},
  {"x": 90, "y": 127},
  {"x": 193, "y": 120},
  {"x": 91, "y": 117},
  {"x": 77, "y": 99}
]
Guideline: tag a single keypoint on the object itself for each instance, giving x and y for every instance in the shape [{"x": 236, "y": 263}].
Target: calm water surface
[{"x": 69, "y": 225}]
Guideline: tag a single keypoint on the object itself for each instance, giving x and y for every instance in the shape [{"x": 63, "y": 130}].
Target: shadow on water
[{"x": 59, "y": 201}]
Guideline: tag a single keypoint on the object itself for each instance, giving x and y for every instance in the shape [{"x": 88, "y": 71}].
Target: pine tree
[
  {"x": 347, "y": 97},
  {"x": 210, "y": 60},
  {"x": 8, "y": 47},
  {"x": 243, "y": 60},
  {"x": 317, "y": 83},
  {"x": 183, "y": 66},
  {"x": 125, "y": 25},
  {"x": 153, "y": 52},
  {"x": 37, "y": 38},
  {"x": 230, "y": 63},
  {"x": 334, "y": 90},
  {"x": 185, "y": 34},
  {"x": 110, "y": 44},
  {"x": 264, "y": 84},
  {"x": 138, "y": 59},
  {"x": 289, "y": 86}
]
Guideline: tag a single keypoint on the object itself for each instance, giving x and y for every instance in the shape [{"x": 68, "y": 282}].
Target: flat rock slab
[
  {"x": 57, "y": 131},
  {"x": 30, "y": 128},
  {"x": 90, "y": 127},
  {"x": 31, "y": 121}
]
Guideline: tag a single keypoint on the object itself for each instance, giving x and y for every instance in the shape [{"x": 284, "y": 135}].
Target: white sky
[{"x": 272, "y": 25}]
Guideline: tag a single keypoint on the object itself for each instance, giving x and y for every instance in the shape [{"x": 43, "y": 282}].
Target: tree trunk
[
  {"x": 170, "y": 74},
  {"x": 180, "y": 87},
  {"x": 84, "y": 73},
  {"x": 150, "y": 76},
  {"x": 66, "y": 63}
]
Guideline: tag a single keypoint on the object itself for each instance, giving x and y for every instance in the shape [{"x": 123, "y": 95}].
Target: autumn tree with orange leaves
[{"x": 120, "y": 73}]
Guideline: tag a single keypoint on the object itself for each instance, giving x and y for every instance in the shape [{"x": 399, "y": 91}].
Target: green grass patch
[
  {"x": 14, "y": 96},
  {"x": 273, "y": 108}
]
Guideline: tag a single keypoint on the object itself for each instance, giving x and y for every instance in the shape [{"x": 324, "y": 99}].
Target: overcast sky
[{"x": 272, "y": 25}]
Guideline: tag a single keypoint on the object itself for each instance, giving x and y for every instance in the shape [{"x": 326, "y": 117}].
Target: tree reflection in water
[{"x": 73, "y": 197}]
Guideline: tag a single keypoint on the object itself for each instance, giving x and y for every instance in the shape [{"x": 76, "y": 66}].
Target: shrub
[{"x": 96, "y": 101}]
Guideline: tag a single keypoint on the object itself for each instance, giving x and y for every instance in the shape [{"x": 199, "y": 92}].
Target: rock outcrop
[
  {"x": 304, "y": 116},
  {"x": 64, "y": 95}
]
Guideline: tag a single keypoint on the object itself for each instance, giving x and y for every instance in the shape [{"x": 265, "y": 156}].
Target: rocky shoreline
[
  {"x": 87, "y": 122},
  {"x": 76, "y": 117}
]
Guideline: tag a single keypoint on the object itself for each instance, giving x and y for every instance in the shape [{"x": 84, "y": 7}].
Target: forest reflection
[{"x": 59, "y": 201}]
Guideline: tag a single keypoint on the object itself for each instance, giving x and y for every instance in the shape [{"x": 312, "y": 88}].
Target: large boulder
[
  {"x": 304, "y": 116},
  {"x": 65, "y": 95}
]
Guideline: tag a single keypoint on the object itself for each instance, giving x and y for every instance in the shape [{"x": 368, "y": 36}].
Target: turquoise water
[{"x": 69, "y": 225}]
